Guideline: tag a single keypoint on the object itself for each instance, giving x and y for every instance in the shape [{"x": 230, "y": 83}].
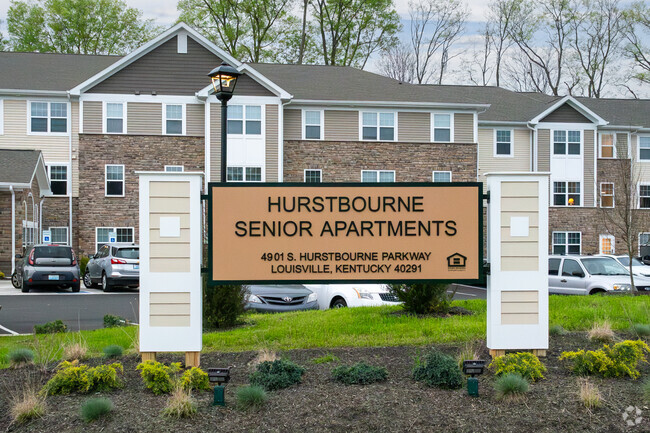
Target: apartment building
[{"x": 97, "y": 120}]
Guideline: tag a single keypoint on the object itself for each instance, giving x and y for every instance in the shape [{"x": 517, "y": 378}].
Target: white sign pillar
[
  {"x": 517, "y": 286},
  {"x": 171, "y": 312}
]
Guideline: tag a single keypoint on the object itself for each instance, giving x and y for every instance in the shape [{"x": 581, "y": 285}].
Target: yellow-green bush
[
  {"x": 159, "y": 378},
  {"x": 74, "y": 377},
  {"x": 619, "y": 360},
  {"x": 195, "y": 378},
  {"x": 526, "y": 364}
]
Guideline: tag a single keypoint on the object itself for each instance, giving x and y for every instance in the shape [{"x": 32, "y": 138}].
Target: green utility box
[
  {"x": 220, "y": 396},
  {"x": 472, "y": 386}
]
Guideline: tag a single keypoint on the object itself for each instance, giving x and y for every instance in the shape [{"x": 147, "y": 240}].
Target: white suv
[{"x": 638, "y": 268}]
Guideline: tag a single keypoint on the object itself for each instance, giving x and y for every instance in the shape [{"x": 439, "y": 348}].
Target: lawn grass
[{"x": 363, "y": 327}]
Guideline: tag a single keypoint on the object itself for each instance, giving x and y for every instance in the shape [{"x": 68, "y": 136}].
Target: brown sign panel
[{"x": 273, "y": 233}]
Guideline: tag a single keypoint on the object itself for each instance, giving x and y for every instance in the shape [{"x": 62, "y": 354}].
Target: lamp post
[{"x": 224, "y": 79}]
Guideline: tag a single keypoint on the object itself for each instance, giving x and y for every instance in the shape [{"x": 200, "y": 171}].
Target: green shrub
[
  {"x": 359, "y": 374},
  {"x": 104, "y": 377},
  {"x": 619, "y": 360},
  {"x": 113, "y": 351},
  {"x": 423, "y": 298},
  {"x": 511, "y": 385},
  {"x": 557, "y": 330},
  {"x": 51, "y": 327},
  {"x": 159, "y": 378},
  {"x": 222, "y": 305},
  {"x": 526, "y": 364},
  {"x": 641, "y": 330},
  {"x": 645, "y": 389},
  {"x": 438, "y": 370},
  {"x": 180, "y": 404},
  {"x": 111, "y": 321},
  {"x": 74, "y": 377},
  {"x": 20, "y": 357},
  {"x": 195, "y": 378},
  {"x": 277, "y": 374},
  {"x": 325, "y": 359},
  {"x": 83, "y": 262},
  {"x": 95, "y": 408},
  {"x": 251, "y": 397}
]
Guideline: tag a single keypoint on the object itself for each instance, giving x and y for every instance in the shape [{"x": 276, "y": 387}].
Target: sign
[
  {"x": 47, "y": 236},
  {"x": 313, "y": 233},
  {"x": 112, "y": 237}
]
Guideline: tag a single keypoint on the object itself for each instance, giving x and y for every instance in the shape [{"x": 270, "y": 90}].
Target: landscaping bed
[{"x": 321, "y": 404}]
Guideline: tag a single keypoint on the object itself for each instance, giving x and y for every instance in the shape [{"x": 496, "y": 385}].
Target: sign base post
[
  {"x": 192, "y": 359},
  {"x": 148, "y": 356}
]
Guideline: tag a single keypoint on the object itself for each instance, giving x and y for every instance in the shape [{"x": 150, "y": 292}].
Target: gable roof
[
  {"x": 18, "y": 168},
  {"x": 621, "y": 112}
]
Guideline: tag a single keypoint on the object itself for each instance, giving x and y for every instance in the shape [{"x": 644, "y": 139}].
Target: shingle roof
[
  {"x": 18, "y": 166},
  {"x": 48, "y": 71},
  {"x": 620, "y": 112}
]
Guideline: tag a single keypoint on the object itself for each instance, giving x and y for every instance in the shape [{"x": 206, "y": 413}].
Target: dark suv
[{"x": 50, "y": 266}]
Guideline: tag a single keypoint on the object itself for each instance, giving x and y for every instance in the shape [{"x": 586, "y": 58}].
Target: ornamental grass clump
[
  {"x": 276, "y": 375},
  {"x": 95, "y": 408},
  {"x": 601, "y": 333},
  {"x": 21, "y": 357},
  {"x": 27, "y": 406},
  {"x": 180, "y": 404},
  {"x": 620, "y": 360},
  {"x": 556, "y": 330},
  {"x": 525, "y": 364},
  {"x": 589, "y": 395},
  {"x": 642, "y": 330},
  {"x": 251, "y": 397},
  {"x": 74, "y": 351},
  {"x": 511, "y": 386},
  {"x": 470, "y": 351},
  {"x": 113, "y": 351},
  {"x": 359, "y": 374},
  {"x": 438, "y": 370}
]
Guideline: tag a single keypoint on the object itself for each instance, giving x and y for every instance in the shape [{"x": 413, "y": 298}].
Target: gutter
[
  {"x": 398, "y": 104},
  {"x": 27, "y": 92}
]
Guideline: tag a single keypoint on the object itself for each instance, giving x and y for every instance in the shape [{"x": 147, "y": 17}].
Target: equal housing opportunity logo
[{"x": 456, "y": 262}]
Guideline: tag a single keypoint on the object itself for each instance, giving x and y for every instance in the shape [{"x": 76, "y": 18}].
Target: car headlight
[
  {"x": 621, "y": 287},
  {"x": 312, "y": 297},
  {"x": 254, "y": 299},
  {"x": 363, "y": 294}
]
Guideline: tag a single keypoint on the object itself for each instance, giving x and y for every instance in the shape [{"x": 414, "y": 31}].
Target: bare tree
[
  {"x": 303, "y": 33},
  {"x": 482, "y": 61},
  {"x": 637, "y": 29},
  {"x": 524, "y": 76},
  {"x": 500, "y": 16},
  {"x": 398, "y": 63}
]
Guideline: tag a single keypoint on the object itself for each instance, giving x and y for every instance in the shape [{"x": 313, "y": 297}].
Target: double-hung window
[
  {"x": 377, "y": 126},
  {"x": 441, "y": 127},
  {"x": 59, "y": 235},
  {"x": 607, "y": 194},
  {"x": 644, "y": 196},
  {"x": 607, "y": 244},
  {"x": 244, "y": 174},
  {"x": 48, "y": 117},
  {"x": 566, "y": 193},
  {"x": 566, "y": 142},
  {"x": 503, "y": 142},
  {"x": 566, "y": 242},
  {"x": 174, "y": 124},
  {"x": 114, "y": 118},
  {"x": 58, "y": 179},
  {"x": 313, "y": 176},
  {"x": 312, "y": 124},
  {"x": 114, "y": 184},
  {"x": 245, "y": 119},
  {"x": 442, "y": 176},
  {"x": 607, "y": 145},
  {"x": 644, "y": 148},
  {"x": 375, "y": 176}
]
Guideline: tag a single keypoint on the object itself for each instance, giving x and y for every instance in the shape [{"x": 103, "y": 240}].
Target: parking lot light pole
[{"x": 224, "y": 79}]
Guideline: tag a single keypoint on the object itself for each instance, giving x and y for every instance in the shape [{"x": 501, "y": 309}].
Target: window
[
  {"x": 607, "y": 244},
  {"x": 114, "y": 185},
  {"x": 122, "y": 234},
  {"x": 114, "y": 118},
  {"x": 607, "y": 147},
  {"x": 644, "y": 196},
  {"x": 553, "y": 266},
  {"x": 174, "y": 119},
  {"x": 503, "y": 143},
  {"x": 244, "y": 174},
  {"x": 174, "y": 168},
  {"x": 48, "y": 117},
  {"x": 566, "y": 142},
  {"x": 313, "y": 125},
  {"x": 58, "y": 179},
  {"x": 566, "y": 242},
  {"x": 245, "y": 119},
  {"x": 644, "y": 148},
  {"x": 2, "y": 116},
  {"x": 313, "y": 176},
  {"x": 566, "y": 193},
  {"x": 571, "y": 268},
  {"x": 377, "y": 176},
  {"x": 441, "y": 125},
  {"x": 607, "y": 194},
  {"x": 59, "y": 235},
  {"x": 378, "y": 126},
  {"x": 644, "y": 244},
  {"x": 442, "y": 176}
]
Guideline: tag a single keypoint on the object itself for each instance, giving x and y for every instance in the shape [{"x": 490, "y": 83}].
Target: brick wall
[
  {"x": 342, "y": 161},
  {"x": 137, "y": 153}
]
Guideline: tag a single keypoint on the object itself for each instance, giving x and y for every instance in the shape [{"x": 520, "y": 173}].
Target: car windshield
[
  {"x": 625, "y": 261},
  {"x": 128, "y": 253},
  {"x": 52, "y": 252},
  {"x": 604, "y": 266}
]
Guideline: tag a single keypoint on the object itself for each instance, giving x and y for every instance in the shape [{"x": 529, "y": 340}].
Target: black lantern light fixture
[
  {"x": 473, "y": 368},
  {"x": 224, "y": 80}
]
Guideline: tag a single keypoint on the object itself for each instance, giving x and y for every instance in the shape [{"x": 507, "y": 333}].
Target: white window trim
[
  {"x": 49, "y": 117},
  {"x": 582, "y": 193},
  {"x": 262, "y": 134},
  {"x": 600, "y": 244},
  {"x": 378, "y": 112},
  {"x": 567, "y": 155},
  {"x": 106, "y": 180},
  {"x": 105, "y": 117},
  {"x": 512, "y": 143},
  {"x": 320, "y": 173},
  {"x": 638, "y": 149},
  {"x": 67, "y": 237},
  {"x": 304, "y": 124},
  {"x": 244, "y": 167},
  {"x": 379, "y": 171},
  {"x": 112, "y": 229},
  {"x": 2, "y": 116},
  {"x": 451, "y": 126},
  {"x": 433, "y": 174},
  {"x": 638, "y": 193},
  {"x": 183, "y": 120},
  {"x": 174, "y": 166},
  {"x": 600, "y": 145},
  {"x": 68, "y": 180},
  {"x": 566, "y": 244},
  {"x": 600, "y": 195}
]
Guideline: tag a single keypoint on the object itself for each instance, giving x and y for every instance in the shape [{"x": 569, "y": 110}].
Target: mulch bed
[{"x": 322, "y": 405}]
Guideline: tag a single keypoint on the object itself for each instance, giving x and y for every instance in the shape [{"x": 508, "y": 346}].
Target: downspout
[
  {"x": 70, "y": 171},
  {"x": 281, "y": 140},
  {"x": 533, "y": 147},
  {"x": 33, "y": 217},
  {"x": 475, "y": 130},
  {"x": 40, "y": 216},
  {"x": 13, "y": 228}
]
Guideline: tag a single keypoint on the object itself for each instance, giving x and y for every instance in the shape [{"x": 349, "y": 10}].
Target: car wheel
[
  {"x": 25, "y": 288},
  {"x": 88, "y": 282},
  {"x": 597, "y": 292},
  {"x": 76, "y": 286},
  {"x": 339, "y": 303},
  {"x": 106, "y": 285},
  {"x": 15, "y": 281}
]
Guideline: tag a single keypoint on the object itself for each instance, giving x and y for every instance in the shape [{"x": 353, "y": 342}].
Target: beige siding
[
  {"x": 341, "y": 125},
  {"x": 292, "y": 125},
  {"x": 464, "y": 128},
  {"x": 169, "y": 309},
  {"x": 74, "y": 123},
  {"x": 54, "y": 148},
  {"x": 589, "y": 161},
  {"x": 519, "y": 308},
  {"x": 195, "y": 114},
  {"x": 621, "y": 145},
  {"x": 544, "y": 150},
  {"x": 92, "y": 117},
  {"x": 489, "y": 163},
  {"x": 566, "y": 114},
  {"x": 642, "y": 169},
  {"x": 144, "y": 118},
  {"x": 271, "y": 143},
  {"x": 215, "y": 142},
  {"x": 520, "y": 199},
  {"x": 414, "y": 127}
]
